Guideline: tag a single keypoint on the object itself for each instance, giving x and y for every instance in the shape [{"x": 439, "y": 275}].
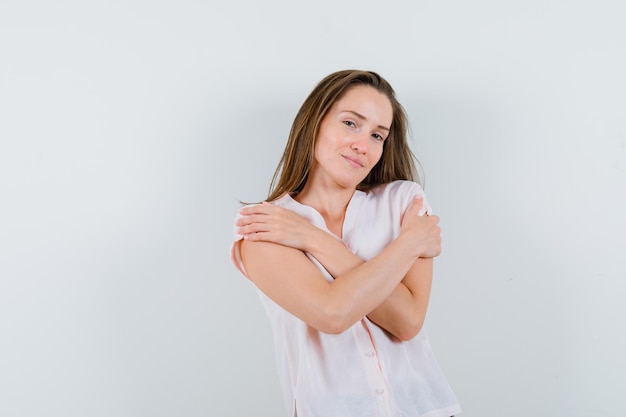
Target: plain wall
[{"x": 130, "y": 129}]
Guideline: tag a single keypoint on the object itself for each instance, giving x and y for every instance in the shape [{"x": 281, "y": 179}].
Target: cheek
[
  {"x": 319, "y": 154},
  {"x": 377, "y": 155}
]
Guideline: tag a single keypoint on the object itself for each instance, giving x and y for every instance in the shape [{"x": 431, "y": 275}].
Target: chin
[{"x": 350, "y": 183}]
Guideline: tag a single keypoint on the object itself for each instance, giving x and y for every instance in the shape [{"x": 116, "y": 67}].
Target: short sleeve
[
  {"x": 404, "y": 192},
  {"x": 426, "y": 208},
  {"x": 235, "y": 249}
]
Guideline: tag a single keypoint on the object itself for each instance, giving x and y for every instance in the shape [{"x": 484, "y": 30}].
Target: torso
[{"x": 362, "y": 372}]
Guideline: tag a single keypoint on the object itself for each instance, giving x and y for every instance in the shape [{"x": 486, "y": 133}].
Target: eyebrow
[{"x": 360, "y": 116}]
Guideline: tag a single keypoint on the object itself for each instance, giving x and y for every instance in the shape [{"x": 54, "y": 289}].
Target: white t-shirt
[{"x": 362, "y": 372}]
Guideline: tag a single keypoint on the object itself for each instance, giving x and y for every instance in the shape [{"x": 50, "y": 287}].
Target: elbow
[
  {"x": 335, "y": 320},
  {"x": 335, "y": 325},
  {"x": 409, "y": 330},
  {"x": 334, "y": 328}
]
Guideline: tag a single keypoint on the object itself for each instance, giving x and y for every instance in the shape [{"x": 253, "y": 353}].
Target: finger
[
  {"x": 413, "y": 209},
  {"x": 260, "y": 220},
  {"x": 252, "y": 228},
  {"x": 255, "y": 209},
  {"x": 416, "y": 205},
  {"x": 267, "y": 208},
  {"x": 258, "y": 237},
  {"x": 247, "y": 219}
]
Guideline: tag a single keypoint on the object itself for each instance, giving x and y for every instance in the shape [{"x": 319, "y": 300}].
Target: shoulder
[
  {"x": 399, "y": 193},
  {"x": 284, "y": 201},
  {"x": 399, "y": 189},
  {"x": 235, "y": 249}
]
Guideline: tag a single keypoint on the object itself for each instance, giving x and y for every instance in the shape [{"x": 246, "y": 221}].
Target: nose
[{"x": 359, "y": 144}]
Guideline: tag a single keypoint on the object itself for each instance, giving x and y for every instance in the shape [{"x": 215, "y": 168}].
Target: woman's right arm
[{"x": 288, "y": 277}]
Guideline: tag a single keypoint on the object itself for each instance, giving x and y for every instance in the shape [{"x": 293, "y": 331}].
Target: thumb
[{"x": 416, "y": 205}]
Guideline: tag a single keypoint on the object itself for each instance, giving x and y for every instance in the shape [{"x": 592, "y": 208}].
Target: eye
[
  {"x": 378, "y": 137},
  {"x": 349, "y": 123}
]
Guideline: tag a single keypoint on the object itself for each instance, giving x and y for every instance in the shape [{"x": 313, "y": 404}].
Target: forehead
[{"x": 367, "y": 101}]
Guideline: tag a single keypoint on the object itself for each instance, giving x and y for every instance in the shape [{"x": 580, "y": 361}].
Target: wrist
[
  {"x": 320, "y": 242},
  {"x": 408, "y": 245}
]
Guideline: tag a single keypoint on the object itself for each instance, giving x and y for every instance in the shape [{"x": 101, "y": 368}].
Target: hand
[
  {"x": 268, "y": 223},
  {"x": 424, "y": 230}
]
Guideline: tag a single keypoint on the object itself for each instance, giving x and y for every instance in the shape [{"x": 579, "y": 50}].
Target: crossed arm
[{"x": 392, "y": 288}]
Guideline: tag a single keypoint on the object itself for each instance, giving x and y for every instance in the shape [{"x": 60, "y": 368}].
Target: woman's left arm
[
  {"x": 401, "y": 314},
  {"x": 404, "y": 311}
]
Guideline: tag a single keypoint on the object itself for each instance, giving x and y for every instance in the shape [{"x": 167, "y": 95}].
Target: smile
[{"x": 353, "y": 161}]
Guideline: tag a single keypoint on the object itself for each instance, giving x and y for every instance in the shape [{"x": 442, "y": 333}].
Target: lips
[{"x": 355, "y": 162}]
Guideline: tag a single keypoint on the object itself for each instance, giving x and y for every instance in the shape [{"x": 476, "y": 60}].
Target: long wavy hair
[{"x": 396, "y": 163}]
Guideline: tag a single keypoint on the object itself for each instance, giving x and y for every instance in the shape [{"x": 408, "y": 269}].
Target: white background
[{"x": 130, "y": 129}]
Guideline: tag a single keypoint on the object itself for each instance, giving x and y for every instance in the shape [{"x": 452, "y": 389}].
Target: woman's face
[{"x": 351, "y": 136}]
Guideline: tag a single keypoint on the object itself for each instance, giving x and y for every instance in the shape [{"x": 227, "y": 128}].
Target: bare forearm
[
  {"x": 367, "y": 285},
  {"x": 329, "y": 306},
  {"x": 403, "y": 313},
  {"x": 333, "y": 254},
  {"x": 399, "y": 314},
  {"x": 359, "y": 288}
]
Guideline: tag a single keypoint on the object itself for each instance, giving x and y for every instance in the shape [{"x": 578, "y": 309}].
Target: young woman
[{"x": 342, "y": 254}]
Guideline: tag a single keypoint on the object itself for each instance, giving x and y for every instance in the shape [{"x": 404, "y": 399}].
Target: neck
[{"x": 330, "y": 203}]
